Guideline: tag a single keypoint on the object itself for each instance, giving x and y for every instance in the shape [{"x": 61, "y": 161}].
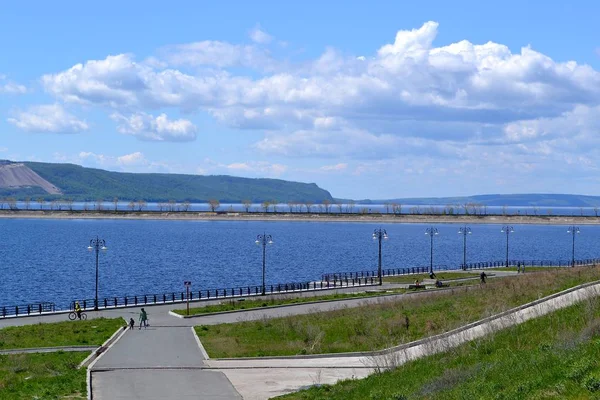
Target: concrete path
[
  {"x": 164, "y": 361},
  {"x": 157, "y": 363}
]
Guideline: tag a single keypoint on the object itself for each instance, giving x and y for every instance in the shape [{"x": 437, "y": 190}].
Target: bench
[{"x": 415, "y": 287}]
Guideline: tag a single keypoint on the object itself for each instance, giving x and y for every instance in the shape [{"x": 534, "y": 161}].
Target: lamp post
[
  {"x": 508, "y": 230},
  {"x": 431, "y": 232},
  {"x": 97, "y": 244},
  {"x": 379, "y": 234},
  {"x": 264, "y": 240},
  {"x": 464, "y": 231},
  {"x": 573, "y": 230}
]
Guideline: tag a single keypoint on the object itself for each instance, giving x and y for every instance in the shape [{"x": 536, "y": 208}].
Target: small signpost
[{"x": 187, "y": 285}]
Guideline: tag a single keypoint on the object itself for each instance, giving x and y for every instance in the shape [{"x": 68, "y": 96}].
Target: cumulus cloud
[
  {"x": 136, "y": 158},
  {"x": 407, "y": 96},
  {"x": 336, "y": 167},
  {"x": 257, "y": 168},
  {"x": 51, "y": 118},
  {"x": 10, "y": 87},
  {"x": 161, "y": 128},
  {"x": 258, "y": 35}
]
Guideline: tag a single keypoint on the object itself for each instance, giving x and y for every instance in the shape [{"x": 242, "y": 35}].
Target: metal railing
[
  {"x": 27, "y": 309},
  {"x": 211, "y": 294},
  {"x": 531, "y": 263},
  {"x": 468, "y": 266},
  {"x": 384, "y": 272}
]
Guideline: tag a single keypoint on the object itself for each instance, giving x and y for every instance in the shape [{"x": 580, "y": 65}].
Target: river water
[{"x": 47, "y": 259}]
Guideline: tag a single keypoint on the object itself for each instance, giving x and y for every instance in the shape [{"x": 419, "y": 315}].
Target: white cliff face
[{"x": 17, "y": 175}]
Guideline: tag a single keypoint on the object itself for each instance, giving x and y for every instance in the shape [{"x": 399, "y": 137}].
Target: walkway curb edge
[
  {"x": 202, "y": 349},
  {"x": 95, "y": 356}
]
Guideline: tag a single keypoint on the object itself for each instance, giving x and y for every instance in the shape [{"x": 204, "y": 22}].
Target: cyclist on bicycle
[{"x": 78, "y": 309}]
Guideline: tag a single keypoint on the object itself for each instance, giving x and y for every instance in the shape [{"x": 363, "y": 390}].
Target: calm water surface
[{"x": 47, "y": 260}]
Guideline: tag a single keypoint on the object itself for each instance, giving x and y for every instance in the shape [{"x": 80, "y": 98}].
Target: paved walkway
[{"x": 164, "y": 360}]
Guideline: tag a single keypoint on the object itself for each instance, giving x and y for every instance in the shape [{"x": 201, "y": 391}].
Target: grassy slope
[
  {"x": 49, "y": 375},
  {"x": 552, "y": 357},
  {"x": 81, "y": 183},
  {"x": 69, "y": 333},
  {"x": 232, "y": 305},
  {"x": 42, "y": 376},
  {"x": 382, "y": 325}
]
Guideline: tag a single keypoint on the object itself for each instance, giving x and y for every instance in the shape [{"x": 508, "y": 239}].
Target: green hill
[{"x": 88, "y": 184}]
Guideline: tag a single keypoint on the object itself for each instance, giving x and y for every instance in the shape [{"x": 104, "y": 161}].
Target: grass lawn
[
  {"x": 390, "y": 322},
  {"x": 552, "y": 357},
  {"x": 50, "y": 375},
  {"x": 527, "y": 269},
  {"x": 42, "y": 376},
  {"x": 92, "y": 332},
  {"x": 234, "y": 304},
  {"x": 443, "y": 276}
]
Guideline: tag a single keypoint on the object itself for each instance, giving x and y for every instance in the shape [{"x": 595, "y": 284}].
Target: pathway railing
[
  {"x": 469, "y": 266},
  {"x": 332, "y": 276},
  {"x": 27, "y": 309},
  {"x": 211, "y": 294}
]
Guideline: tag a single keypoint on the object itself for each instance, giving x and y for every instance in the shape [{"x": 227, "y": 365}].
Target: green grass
[
  {"x": 552, "y": 357},
  {"x": 384, "y": 324},
  {"x": 69, "y": 333},
  {"x": 50, "y": 375},
  {"x": 443, "y": 276},
  {"x": 234, "y": 304},
  {"x": 42, "y": 376},
  {"x": 527, "y": 269}
]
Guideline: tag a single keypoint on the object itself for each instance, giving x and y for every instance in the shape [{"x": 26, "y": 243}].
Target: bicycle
[{"x": 73, "y": 316}]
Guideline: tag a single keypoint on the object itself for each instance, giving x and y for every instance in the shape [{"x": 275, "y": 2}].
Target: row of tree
[{"x": 326, "y": 206}]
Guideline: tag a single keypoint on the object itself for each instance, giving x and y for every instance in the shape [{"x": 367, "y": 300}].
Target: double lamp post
[{"x": 97, "y": 245}]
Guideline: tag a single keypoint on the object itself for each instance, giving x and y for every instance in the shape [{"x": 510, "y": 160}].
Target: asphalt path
[{"x": 164, "y": 360}]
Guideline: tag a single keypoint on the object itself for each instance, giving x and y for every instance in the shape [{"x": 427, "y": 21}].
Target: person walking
[
  {"x": 143, "y": 319},
  {"x": 482, "y": 276}
]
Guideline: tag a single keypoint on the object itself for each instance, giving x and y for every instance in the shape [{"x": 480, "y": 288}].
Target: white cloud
[
  {"x": 336, "y": 167},
  {"x": 48, "y": 118},
  {"x": 258, "y": 35},
  {"x": 10, "y": 87},
  {"x": 3, "y": 149},
  {"x": 406, "y": 97},
  {"x": 136, "y": 158},
  {"x": 260, "y": 168},
  {"x": 148, "y": 127}
]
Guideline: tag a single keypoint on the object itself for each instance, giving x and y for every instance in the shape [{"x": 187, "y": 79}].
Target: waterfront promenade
[{"x": 166, "y": 361}]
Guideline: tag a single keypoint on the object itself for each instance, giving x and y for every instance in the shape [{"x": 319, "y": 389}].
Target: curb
[
  {"x": 48, "y": 349},
  {"x": 95, "y": 356},
  {"x": 202, "y": 349},
  {"x": 310, "y": 302},
  {"x": 101, "y": 349}
]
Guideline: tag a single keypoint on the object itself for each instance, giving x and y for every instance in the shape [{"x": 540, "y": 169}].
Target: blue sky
[{"x": 368, "y": 100}]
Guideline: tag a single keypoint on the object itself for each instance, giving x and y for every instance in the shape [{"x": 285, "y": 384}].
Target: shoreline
[{"x": 302, "y": 217}]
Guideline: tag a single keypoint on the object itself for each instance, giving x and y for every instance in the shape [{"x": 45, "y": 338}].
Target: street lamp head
[
  {"x": 104, "y": 248},
  {"x": 270, "y": 241},
  {"x": 257, "y": 241},
  {"x": 90, "y": 248}
]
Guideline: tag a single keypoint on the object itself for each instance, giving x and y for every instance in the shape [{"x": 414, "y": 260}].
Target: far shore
[{"x": 302, "y": 217}]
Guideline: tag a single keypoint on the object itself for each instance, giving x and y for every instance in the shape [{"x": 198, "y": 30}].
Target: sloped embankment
[{"x": 17, "y": 175}]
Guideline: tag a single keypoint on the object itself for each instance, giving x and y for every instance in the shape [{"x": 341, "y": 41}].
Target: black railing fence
[
  {"x": 531, "y": 263},
  {"x": 328, "y": 281},
  {"x": 210, "y": 294},
  {"x": 333, "y": 276},
  {"x": 27, "y": 309},
  {"x": 475, "y": 265}
]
